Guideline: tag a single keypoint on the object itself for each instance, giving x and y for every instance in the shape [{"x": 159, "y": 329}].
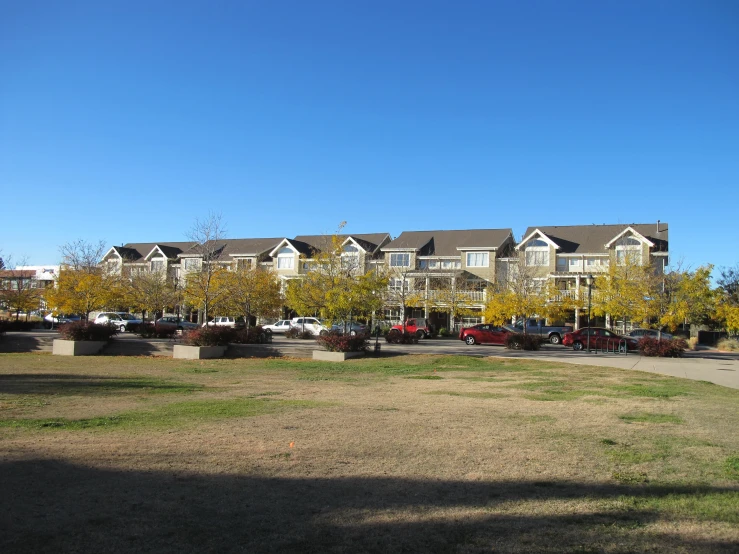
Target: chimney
[{"x": 658, "y": 225}]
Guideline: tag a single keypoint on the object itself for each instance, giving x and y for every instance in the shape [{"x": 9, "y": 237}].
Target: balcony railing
[{"x": 471, "y": 296}]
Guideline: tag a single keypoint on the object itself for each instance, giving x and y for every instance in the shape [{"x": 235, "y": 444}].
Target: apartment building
[{"x": 470, "y": 262}]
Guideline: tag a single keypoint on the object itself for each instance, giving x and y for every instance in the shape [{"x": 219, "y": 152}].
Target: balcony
[{"x": 468, "y": 296}]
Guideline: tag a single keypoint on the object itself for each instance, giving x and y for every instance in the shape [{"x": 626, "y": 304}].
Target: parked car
[
  {"x": 121, "y": 320},
  {"x": 484, "y": 334},
  {"x": 536, "y": 326},
  {"x": 312, "y": 324},
  {"x": 279, "y": 327},
  {"x": 639, "y": 333},
  {"x": 599, "y": 338},
  {"x": 173, "y": 323},
  {"x": 418, "y": 326},
  {"x": 50, "y": 319},
  {"x": 352, "y": 328},
  {"x": 225, "y": 321}
]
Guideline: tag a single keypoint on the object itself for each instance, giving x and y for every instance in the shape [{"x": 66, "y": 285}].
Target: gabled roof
[
  {"x": 136, "y": 252},
  {"x": 316, "y": 243},
  {"x": 449, "y": 243},
  {"x": 592, "y": 239}
]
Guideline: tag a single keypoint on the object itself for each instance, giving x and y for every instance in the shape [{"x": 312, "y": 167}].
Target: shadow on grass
[
  {"x": 71, "y": 384},
  {"x": 54, "y": 506}
]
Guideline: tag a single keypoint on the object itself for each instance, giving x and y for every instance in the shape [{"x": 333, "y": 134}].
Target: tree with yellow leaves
[
  {"x": 251, "y": 291},
  {"x": 83, "y": 286}
]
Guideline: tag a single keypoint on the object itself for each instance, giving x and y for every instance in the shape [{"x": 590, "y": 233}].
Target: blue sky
[{"x": 124, "y": 121}]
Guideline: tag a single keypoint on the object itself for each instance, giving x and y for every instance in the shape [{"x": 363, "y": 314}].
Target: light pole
[{"x": 589, "y": 281}]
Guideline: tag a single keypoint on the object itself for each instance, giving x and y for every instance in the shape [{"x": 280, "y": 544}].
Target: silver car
[
  {"x": 120, "y": 320},
  {"x": 639, "y": 333}
]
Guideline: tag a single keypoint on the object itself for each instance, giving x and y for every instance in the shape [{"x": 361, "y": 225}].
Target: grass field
[{"x": 407, "y": 453}]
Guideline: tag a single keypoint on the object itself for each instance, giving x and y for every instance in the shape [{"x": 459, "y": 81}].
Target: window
[
  {"x": 628, "y": 249},
  {"x": 537, "y": 253},
  {"x": 422, "y": 264},
  {"x": 478, "y": 259},
  {"x": 457, "y": 264},
  {"x": 433, "y": 264},
  {"x": 400, "y": 260},
  {"x": 398, "y": 284},
  {"x": 285, "y": 258},
  {"x": 446, "y": 264},
  {"x": 574, "y": 264},
  {"x": 243, "y": 263},
  {"x": 192, "y": 264},
  {"x": 157, "y": 265}
]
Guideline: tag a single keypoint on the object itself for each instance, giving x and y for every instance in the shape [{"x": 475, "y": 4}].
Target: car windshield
[{"x": 128, "y": 317}]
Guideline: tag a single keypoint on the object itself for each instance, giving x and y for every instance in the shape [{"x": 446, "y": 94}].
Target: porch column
[{"x": 426, "y": 303}]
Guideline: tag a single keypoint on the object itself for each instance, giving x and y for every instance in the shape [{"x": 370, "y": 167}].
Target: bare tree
[
  {"x": 80, "y": 255},
  {"x": 207, "y": 236}
]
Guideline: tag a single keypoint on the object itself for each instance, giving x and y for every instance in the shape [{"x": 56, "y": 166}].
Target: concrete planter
[
  {"x": 325, "y": 356},
  {"x": 198, "y": 352},
  {"x": 63, "y": 347}
]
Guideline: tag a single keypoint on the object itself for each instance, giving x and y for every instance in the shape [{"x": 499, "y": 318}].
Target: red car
[
  {"x": 484, "y": 333},
  {"x": 599, "y": 338}
]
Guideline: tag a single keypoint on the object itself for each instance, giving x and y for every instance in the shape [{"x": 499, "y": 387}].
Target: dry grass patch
[{"x": 371, "y": 455}]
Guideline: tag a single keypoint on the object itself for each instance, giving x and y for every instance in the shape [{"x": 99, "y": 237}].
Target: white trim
[
  {"x": 638, "y": 235},
  {"x": 545, "y": 238},
  {"x": 400, "y": 249},
  {"x": 149, "y": 255},
  {"x": 283, "y": 242},
  {"x": 112, "y": 249},
  {"x": 463, "y": 248},
  {"x": 660, "y": 253},
  {"x": 349, "y": 238}
]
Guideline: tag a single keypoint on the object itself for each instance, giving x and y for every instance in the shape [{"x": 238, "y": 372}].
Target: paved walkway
[{"x": 716, "y": 369}]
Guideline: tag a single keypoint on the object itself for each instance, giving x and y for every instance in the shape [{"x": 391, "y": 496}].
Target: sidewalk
[{"x": 718, "y": 368}]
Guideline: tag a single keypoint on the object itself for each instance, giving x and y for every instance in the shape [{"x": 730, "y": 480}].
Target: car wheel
[
  {"x": 577, "y": 345},
  {"x": 554, "y": 339},
  {"x": 323, "y": 333},
  {"x": 420, "y": 334},
  {"x": 123, "y": 328},
  {"x": 179, "y": 328},
  {"x": 469, "y": 339},
  {"x": 353, "y": 333}
]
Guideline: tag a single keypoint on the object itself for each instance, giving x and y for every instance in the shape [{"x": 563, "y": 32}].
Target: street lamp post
[{"x": 589, "y": 281}]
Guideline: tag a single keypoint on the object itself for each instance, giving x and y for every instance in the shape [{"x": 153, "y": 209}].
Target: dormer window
[
  {"x": 243, "y": 263},
  {"x": 350, "y": 257},
  {"x": 628, "y": 250},
  {"x": 285, "y": 258},
  {"x": 537, "y": 253}
]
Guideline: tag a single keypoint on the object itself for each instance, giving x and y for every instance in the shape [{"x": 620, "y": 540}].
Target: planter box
[
  {"x": 325, "y": 356},
  {"x": 198, "y": 352},
  {"x": 63, "y": 347}
]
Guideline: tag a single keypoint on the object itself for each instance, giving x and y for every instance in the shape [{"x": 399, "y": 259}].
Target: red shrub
[
  {"x": 650, "y": 346},
  {"x": 82, "y": 330},
  {"x": 209, "y": 336},
  {"x": 343, "y": 343}
]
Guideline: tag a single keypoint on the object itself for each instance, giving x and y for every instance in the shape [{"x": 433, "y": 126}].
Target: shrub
[
  {"x": 148, "y": 331},
  {"x": 443, "y": 332},
  {"x": 209, "y": 336},
  {"x": 83, "y": 330},
  {"x": 343, "y": 343},
  {"x": 728, "y": 345},
  {"x": 254, "y": 335},
  {"x": 693, "y": 343},
  {"x": 519, "y": 341},
  {"x": 396, "y": 337},
  {"x": 650, "y": 346},
  {"x": 19, "y": 325},
  {"x": 296, "y": 333}
]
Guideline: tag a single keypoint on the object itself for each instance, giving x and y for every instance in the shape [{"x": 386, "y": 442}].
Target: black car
[{"x": 352, "y": 328}]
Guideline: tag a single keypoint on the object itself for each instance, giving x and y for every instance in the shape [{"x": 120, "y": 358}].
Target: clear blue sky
[{"x": 124, "y": 121}]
